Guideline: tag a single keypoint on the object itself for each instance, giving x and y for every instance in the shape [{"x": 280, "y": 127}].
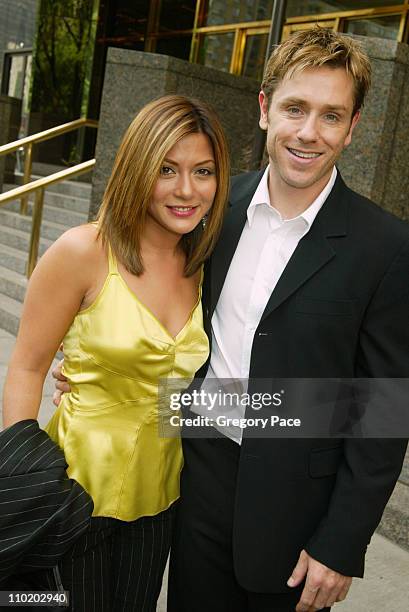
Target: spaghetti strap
[{"x": 112, "y": 262}]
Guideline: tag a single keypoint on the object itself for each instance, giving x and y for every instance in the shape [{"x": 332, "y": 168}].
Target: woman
[{"x": 124, "y": 293}]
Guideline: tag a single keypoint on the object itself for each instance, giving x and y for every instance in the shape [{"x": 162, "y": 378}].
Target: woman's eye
[
  {"x": 205, "y": 172},
  {"x": 166, "y": 170}
]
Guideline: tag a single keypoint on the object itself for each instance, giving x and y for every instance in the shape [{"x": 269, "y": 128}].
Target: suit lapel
[
  {"x": 235, "y": 219},
  {"x": 314, "y": 250},
  {"x": 312, "y": 253}
]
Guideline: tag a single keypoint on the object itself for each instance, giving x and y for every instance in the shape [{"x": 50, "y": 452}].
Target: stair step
[
  {"x": 10, "y": 220},
  {"x": 13, "y": 259},
  {"x": 52, "y": 214},
  {"x": 10, "y": 313},
  {"x": 20, "y": 240},
  {"x": 68, "y": 202},
  {"x": 73, "y": 188},
  {"x": 52, "y": 198},
  {"x": 12, "y": 284}
]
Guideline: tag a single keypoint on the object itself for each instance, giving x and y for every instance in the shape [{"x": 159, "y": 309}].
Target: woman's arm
[{"x": 57, "y": 287}]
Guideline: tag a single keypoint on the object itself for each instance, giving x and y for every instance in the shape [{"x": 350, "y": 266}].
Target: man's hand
[
  {"x": 61, "y": 384},
  {"x": 323, "y": 587}
]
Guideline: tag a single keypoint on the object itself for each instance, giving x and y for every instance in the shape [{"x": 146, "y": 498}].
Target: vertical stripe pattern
[
  {"x": 118, "y": 566},
  {"x": 42, "y": 511}
]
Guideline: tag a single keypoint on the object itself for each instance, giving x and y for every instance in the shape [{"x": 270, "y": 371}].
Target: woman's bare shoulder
[
  {"x": 82, "y": 238},
  {"x": 80, "y": 243},
  {"x": 78, "y": 252}
]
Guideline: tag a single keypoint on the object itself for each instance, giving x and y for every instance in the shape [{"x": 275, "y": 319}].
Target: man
[{"x": 308, "y": 280}]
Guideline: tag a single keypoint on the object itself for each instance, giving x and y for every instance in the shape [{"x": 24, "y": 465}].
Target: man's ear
[
  {"x": 262, "y": 100},
  {"x": 354, "y": 122}
]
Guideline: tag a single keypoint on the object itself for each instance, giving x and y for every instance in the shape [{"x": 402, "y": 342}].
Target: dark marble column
[{"x": 133, "y": 78}]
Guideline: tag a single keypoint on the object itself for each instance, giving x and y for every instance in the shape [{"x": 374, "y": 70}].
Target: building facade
[{"x": 71, "y": 39}]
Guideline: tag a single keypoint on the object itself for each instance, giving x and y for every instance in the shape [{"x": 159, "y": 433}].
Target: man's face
[{"x": 308, "y": 124}]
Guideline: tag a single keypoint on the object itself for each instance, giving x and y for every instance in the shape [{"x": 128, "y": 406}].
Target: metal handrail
[
  {"x": 47, "y": 134},
  {"x": 28, "y": 142},
  {"x": 39, "y": 187}
]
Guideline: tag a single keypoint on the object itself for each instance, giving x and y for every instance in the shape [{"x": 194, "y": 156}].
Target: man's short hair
[{"x": 315, "y": 48}]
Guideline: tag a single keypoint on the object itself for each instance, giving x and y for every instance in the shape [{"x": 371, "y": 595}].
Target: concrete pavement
[{"x": 386, "y": 584}]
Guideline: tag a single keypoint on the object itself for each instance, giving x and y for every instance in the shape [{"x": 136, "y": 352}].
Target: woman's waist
[{"x": 100, "y": 391}]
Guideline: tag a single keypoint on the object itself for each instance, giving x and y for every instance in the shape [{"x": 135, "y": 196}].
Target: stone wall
[
  {"x": 376, "y": 163},
  {"x": 133, "y": 78}
]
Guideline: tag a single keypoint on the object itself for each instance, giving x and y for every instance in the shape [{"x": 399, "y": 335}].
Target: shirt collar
[
  {"x": 262, "y": 197},
  {"x": 314, "y": 208}
]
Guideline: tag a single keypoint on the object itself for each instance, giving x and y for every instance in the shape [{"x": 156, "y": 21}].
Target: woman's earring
[{"x": 204, "y": 221}]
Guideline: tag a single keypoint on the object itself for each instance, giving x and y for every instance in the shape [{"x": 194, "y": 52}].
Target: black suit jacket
[
  {"x": 43, "y": 512},
  {"x": 340, "y": 309}
]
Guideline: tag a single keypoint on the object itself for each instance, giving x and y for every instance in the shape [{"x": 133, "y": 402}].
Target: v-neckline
[{"x": 154, "y": 317}]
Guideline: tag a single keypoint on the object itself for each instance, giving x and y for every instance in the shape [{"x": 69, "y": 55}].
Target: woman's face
[{"x": 185, "y": 189}]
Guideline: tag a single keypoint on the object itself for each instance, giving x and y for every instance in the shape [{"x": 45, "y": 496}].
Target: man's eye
[
  {"x": 293, "y": 110},
  {"x": 331, "y": 117},
  {"x": 166, "y": 170}
]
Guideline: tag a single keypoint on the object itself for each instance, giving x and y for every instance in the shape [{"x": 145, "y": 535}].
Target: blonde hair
[
  {"x": 315, "y": 48},
  {"x": 154, "y": 131}
]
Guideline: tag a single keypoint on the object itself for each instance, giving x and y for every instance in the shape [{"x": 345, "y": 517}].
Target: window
[
  {"x": 219, "y": 12},
  {"x": 379, "y": 27},
  {"x": 216, "y": 50},
  {"x": 298, "y": 8}
]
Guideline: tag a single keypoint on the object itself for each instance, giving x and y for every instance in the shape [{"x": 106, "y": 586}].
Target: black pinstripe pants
[{"x": 118, "y": 566}]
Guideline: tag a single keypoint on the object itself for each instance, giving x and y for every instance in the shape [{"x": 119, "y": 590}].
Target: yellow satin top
[{"x": 115, "y": 351}]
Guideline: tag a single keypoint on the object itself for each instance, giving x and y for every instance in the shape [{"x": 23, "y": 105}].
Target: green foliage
[{"x": 64, "y": 46}]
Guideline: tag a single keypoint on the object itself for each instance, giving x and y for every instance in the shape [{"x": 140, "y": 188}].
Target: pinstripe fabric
[
  {"x": 117, "y": 566},
  {"x": 42, "y": 512}
]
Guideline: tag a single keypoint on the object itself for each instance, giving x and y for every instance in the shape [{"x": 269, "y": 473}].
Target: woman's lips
[{"x": 182, "y": 211}]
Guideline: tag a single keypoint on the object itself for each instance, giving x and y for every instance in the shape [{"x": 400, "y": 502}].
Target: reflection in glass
[
  {"x": 128, "y": 24},
  {"x": 16, "y": 79},
  {"x": 297, "y": 8},
  {"x": 177, "y": 15},
  {"x": 26, "y": 98},
  {"x": 62, "y": 69},
  {"x": 379, "y": 27},
  {"x": 220, "y": 12},
  {"x": 216, "y": 51},
  {"x": 17, "y": 23},
  {"x": 254, "y": 55},
  {"x": 290, "y": 29},
  {"x": 176, "y": 46}
]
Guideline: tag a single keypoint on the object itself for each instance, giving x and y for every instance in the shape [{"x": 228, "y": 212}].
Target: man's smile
[{"x": 304, "y": 154}]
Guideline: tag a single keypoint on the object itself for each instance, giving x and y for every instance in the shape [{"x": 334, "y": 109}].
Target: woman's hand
[{"x": 61, "y": 384}]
